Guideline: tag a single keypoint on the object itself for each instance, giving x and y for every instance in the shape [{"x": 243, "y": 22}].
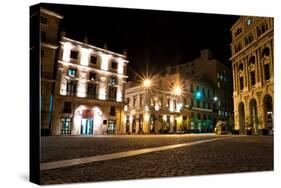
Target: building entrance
[{"x": 87, "y": 122}]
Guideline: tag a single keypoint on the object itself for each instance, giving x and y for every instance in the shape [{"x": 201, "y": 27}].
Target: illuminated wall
[{"x": 82, "y": 84}]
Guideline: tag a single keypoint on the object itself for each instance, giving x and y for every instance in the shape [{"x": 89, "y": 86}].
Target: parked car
[{"x": 220, "y": 127}]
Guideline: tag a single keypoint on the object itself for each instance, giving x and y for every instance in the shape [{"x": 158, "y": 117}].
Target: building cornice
[
  {"x": 65, "y": 39},
  {"x": 267, "y": 35},
  {"x": 51, "y": 13},
  {"x": 48, "y": 45}
]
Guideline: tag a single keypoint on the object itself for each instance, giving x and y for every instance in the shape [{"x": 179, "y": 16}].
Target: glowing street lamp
[
  {"x": 147, "y": 83},
  {"x": 177, "y": 91},
  {"x": 215, "y": 98}
]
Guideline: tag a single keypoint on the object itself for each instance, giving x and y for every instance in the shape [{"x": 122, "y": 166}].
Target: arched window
[
  {"x": 265, "y": 52},
  {"x": 240, "y": 67},
  {"x": 252, "y": 60}
]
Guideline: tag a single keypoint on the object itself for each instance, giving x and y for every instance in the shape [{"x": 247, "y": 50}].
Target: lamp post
[{"x": 147, "y": 84}]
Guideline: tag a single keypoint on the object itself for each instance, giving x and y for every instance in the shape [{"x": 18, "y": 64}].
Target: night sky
[{"x": 153, "y": 39}]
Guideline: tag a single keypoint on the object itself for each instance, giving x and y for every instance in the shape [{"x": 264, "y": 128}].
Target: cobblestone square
[{"x": 229, "y": 155}]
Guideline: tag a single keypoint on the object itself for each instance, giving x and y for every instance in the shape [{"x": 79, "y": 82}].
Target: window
[
  {"x": 208, "y": 92},
  {"x": 214, "y": 107},
  {"x": 72, "y": 72},
  {"x": 73, "y": 54},
  {"x": 71, "y": 88},
  {"x": 112, "y": 111},
  {"x": 135, "y": 101},
  {"x": 43, "y": 20},
  {"x": 241, "y": 83},
  {"x": 65, "y": 127},
  {"x": 253, "y": 78},
  {"x": 43, "y": 36},
  {"x": 197, "y": 88},
  {"x": 67, "y": 107},
  {"x": 168, "y": 102},
  {"x": 265, "y": 52},
  {"x": 198, "y": 103},
  {"x": 252, "y": 60},
  {"x": 203, "y": 91},
  {"x": 93, "y": 59},
  {"x": 92, "y": 76},
  {"x": 209, "y": 105},
  {"x": 192, "y": 102},
  {"x": 141, "y": 100},
  {"x": 199, "y": 116},
  {"x": 240, "y": 67},
  {"x": 91, "y": 91},
  {"x": 114, "y": 65},
  {"x": 111, "y": 126},
  {"x": 128, "y": 101},
  {"x": 113, "y": 81},
  {"x": 112, "y": 92},
  {"x": 266, "y": 72},
  {"x": 204, "y": 104}
]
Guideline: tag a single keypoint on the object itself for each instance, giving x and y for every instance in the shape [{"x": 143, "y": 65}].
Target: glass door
[{"x": 87, "y": 126}]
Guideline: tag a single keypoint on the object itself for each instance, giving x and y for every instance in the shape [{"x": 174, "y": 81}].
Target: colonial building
[
  {"x": 253, "y": 69},
  {"x": 49, "y": 26},
  {"x": 166, "y": 104},
  {"x": 89, "y": 92},
  {"x": 211, "y": 86}
]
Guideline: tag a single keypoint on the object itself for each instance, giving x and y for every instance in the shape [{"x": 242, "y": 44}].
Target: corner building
[
  {"x": 89, "y": 92},
  {"x": 253, "y": 73},
  {"x": 49, "y": 27},
  {"x": 210, "y": 85}
]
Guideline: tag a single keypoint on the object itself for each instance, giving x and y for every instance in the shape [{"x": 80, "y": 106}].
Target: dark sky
[{"x": 153, "y": 39}]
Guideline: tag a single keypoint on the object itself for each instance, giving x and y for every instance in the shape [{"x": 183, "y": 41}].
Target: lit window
[
  {"x": 72, "y": 72},
  {"x": 92, "y": 76},
  {"x": 113, "y": 81}
]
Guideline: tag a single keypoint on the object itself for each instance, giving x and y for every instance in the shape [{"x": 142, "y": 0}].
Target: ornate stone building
[
  {"x": 49, "y": 27},
  {"x": 253, "y": 73},
  {"x": 89, "y": 92}
]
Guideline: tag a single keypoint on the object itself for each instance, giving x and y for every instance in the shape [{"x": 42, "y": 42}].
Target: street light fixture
[
  {"x": 215, "y": 98},
  {"x": 177, "y": 90},
  {"x": 147, "y": 83}
]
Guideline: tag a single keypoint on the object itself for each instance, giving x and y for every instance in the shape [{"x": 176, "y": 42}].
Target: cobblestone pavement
[
  {"x": 58, "y": 148},
  {"x": 234, "y": 154}
]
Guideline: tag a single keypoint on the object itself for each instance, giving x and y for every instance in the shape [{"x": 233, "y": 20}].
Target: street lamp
[
  {"x": 177, "y": 90},
  {"x": 147, "y": 83},
  {"x": 215, "y": 98}
]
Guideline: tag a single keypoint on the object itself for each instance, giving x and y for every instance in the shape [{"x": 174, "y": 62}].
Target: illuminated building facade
[
  {"x": 49, "y": 26},
  {"x": 89, "y": 92},
  {"x": 166, "y": 106},
  {"x": 253, "y": 68},
  {"x": 210, "y": 86}
]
